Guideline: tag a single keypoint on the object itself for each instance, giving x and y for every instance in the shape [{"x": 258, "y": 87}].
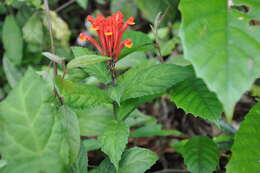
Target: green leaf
[
  {"x": 99, "y": 70},
  {"x": 252, "y": 5},
  {"x": 30, "y": 124},
  {"x": 137, "y": 118},
  {"x": 152, "y": 80},
  {"x": 81, "y": 164},
  {"x": 132, "y": 60},
  {"x": 225, "y": 51},
  {"x": 86, "y": 60},
  {"x": 44, "y": 164},
  {"x": 152, "y": 130},
  {"x": 151, "y": 8},
  {"x": 137, "y": 160},
  {"x": 113, "y": 140},
  {"x": 33, "y": 30},
  {"x": 127, "y": 7},
  {"x": 71, "y": 132},
  {"x": 81, "y": 95},
  {"x": 200, "y": 155},
  {"x": 92, "y": 121},
  {"x": 134, "y": 160},
  {"x": 177, "y": 60},
  {"x": 83, "y": 3},
  {"x": 91, "y": 144},
  {"x": 12, "y": 74},
  {"x": 141, "y": 42},
  {"x": 12, "y": 40},
  {"x": 193, "y": 96},
  {"x": 245, "y": 148}
]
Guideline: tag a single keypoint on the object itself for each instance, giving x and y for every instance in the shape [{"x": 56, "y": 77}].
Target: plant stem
[
  {"x": 55, "y": 68},
  {"x": 113, "y": 75}
]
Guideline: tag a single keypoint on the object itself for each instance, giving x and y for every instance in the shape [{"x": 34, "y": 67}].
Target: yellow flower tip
[
  {"x": 128, "y": 43},
  {"x": 131, "y": 23},
  {"x": 108, "y": 33},
  {"x": 94, "y": 28},
  {"x": 82, "y": 38}
]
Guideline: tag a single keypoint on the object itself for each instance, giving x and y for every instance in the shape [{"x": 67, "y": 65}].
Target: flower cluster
[{"x": 110, "y": 32}]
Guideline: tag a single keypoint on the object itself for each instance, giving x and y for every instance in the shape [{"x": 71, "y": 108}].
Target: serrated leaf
[
  {"x": 12, "y": 74},
  {"x": 152, "y": 130},
  {"x": 200, "y": 155},
  {"x": 30, "y": 124},
  {"x": 113, "y": 140},
  {"x": 81, "y": 95},
  {"x": 141, "y": 42},
  {"x": 245, "y": 148},
  {"x": 86, "y": 60},
  {"x": 151, "y": 8},
  {"x": 134, "y": 160},
  {"x": 47, "y": 164},
  {"x": 137, "y": 160},
  {"x": 33, "y": 30},
  {"x": 93, "y": 120},
  {"x": 12, "y": 40},
  {"x": 225, "y": 51},
  {"x": 152, "y": 80},
  {"x": 193, "y": 96}
]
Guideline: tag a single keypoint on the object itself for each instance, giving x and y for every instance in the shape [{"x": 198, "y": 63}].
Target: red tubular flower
[{"x": 110, "y": 32}]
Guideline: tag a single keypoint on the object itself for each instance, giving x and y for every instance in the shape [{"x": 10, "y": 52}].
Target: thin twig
[{"x": 65, "y": 5}]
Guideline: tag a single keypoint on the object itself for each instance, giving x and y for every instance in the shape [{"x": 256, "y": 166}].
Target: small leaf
[
  {"x": 178, "y": 60},
  {"x": 81, "y": 95},
  {"x": 53, "y": 57},
  {"x": 137, "y": 118},
  {"x": 152, "y": 130},
  {"x": 12, "y": 74},
  {"x": 81, "y": 164},
  {"x": 83, "y": 3},
  {"x": 106, "y": 167},
  {"x": 83, "y": 61},
  {"x": 12, "y": 40},
  {"x": 33, "y": 30},
  {"x": 113, "y": 141},
  {"x": 137, "y": 160},
  {"x": 91, "y": 144},
  {"x": 151, "y": 80},
  {"x": 193, "y": 96},
  {"x": 245, "y": 148},
  {"x": 200, "y": 155},
  {"x": 141, "y": 42}
]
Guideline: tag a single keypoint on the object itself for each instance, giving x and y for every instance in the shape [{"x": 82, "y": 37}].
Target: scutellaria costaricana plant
[{"x": 95, "y": 99}]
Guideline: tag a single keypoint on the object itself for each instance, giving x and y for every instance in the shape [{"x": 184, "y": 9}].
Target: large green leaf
[
  {"x": 151, "y": 80},
  {"x": 71, "y": 132},
  {"x": 93, "y": 120},
  {"x": 193, "y": 96},
  {"x": 81, "y": 95},
  {"x": 113, "y": 140},
  {"x": 12, "y": 40},
  {"x": 141, "y": 42},
  {"x": 200, "y": 155},
  {"x": 12, "y": 74},
  {"x": 225, "y": 51},
  {"x": 245, "y": 150},
  {"x": 45, "y": 164},
  {"x": 30, "y": 125},
  {"x": 134, "y": 160},
  {"x": 151, "y": 8},
  {"x": 86, "y": 60}
]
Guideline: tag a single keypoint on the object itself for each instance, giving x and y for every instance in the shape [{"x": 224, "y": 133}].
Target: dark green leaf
[
  {"x": 91, "y": 144},
  {"x": 83, "y": 3},
  {"x": 86, "y": 60},
  {"x": 81, "y": 164},
  {"x": 113, "y": 140},
  {"x": 12, "y": 40},
  {"x": 200, "y": 155},
  {"x": 245, "y": 148},
  {"x": 193, "y": 96}
]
